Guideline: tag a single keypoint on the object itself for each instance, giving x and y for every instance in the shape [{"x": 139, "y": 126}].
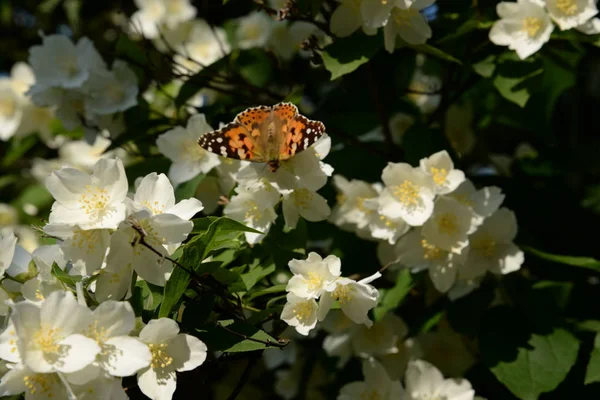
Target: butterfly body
[{"x": 264, "y": 134}]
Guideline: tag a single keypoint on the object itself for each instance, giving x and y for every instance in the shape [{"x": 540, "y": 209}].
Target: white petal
[
  {"x": 79, "y": 352},
  {"x": 125, "y": 356},
  {"x": 159, "y": 331},
  {"x": 188, "y": 352},
  {"x": 157, "y": 388},
  {"x": 186, "y": 209}
]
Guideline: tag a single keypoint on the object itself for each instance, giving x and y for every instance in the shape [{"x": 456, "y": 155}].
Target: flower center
[
  {"x": 404, "y": 17},
  {"x": 568, "y": 7},
  {"x": 252, "y": 212},
  {"x": 342, "y": 294},
  {"x": 447, "y": 224},
  {"x": 487, "y": 246},
  {"x": 13, "y": 342},
  {"x": 160, "y": 357},
  {"x": 174, "y": 6},
  {"x": 341, "y": 198},
  {"x": 314, "y": 281},
  {"x": 370, "y": 395},
  {"x": 8, "y": 107},
  {"x": 303, "y": 198},
  {"x": 407, "y": 193},
  {"x": 155, "y": 206},
  {"x": 46, "y": 339},
  {"x": 360, "y": 204},
  {"x": 463, "y": 199},
  {"x": 532, "y": 26},
  {"x": 439, "y": 175},
  {"x": 97, "y": 333},
  {"x": 302, "y": 311},
  {"x": 41, "y": 384},
  {"x": 430, "y": 252},
  {"x": 69, "y": 65},
  {"x": 252, "y": 32},
  {"x": 85, "y": 239},
  {"x": 94, "y": 200},
  {"x": 386, "y": 221},
  {"x": 191, "y": 151}
]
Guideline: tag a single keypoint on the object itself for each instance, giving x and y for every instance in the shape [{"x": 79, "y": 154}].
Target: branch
[{"x": 280, "y": 343}]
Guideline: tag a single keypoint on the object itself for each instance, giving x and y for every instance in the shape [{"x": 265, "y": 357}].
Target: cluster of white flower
[
  {"x": 525, "y": 25},
  {"x": 320, "y": 279},
  {"x": 18, "y": 115},
  {"x": 399, "y": 18},
  {"x": 423, "y": 382},
  {"x": 74, "y": 80},
  {"x": 435, "y": 219}
]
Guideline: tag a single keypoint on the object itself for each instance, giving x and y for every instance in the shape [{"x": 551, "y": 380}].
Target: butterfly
[{"x": 264, "y": 134}]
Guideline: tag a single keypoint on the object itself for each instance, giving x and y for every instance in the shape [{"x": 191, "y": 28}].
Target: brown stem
[{"x": 281, "y": 343}]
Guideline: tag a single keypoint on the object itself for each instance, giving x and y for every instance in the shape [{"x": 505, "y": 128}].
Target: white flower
[
  {"x": 382, "y": 227},
  {"x": 591, "y": 27},
  {"x": 120, "y": 355},
  {"x": 101, "y": 388},
  {"x": 93, "y": 201},
  {"x": 399, "y": 124},
  {"x": 254, "y": 209},
  {"x": 180, "y": 145},
  {"x": 306, "y": 204},
  {"x": 153, "y": 14},
  {"x": 8, "y": 242},
  {"x": 355, "y": 299},
  {"x": 458, "y": 127},
  {"x": 171, "y": 351},
  {"x": 524, "y": 26},
  {"x": 441, "y": 168},
  {"x": 376, "y": 13},
  {"x": 571, "y": 13},
  {"x": 492, "y": 248},
  {"x": 109, "y": 92},
  {"x": 49, "y": 338},
  {"x": 314, "y": 275},
  {"x": 483, "y": 202},
  {"x": 350, "y": 210},
  {"x": 286, "y": 39},
  {"x": 84, "y": 247},
  {"x": 447, "y": 350},
  {"x": 408, "y": 194},
  {"x": 253, "y": 30},
  {"x": 347, "y": 18},
  {"x": 9, "y": 349},
  {"x": 449, "y": 225},
  {"x": 203, "y": 47},
  {"x": 424, "y": 83},
  {"x": 301, "y": 313},
  {"x": 415, "y": 252},
  {"x": 83, "y": 156},
  {"x": 36, "y": 386},
  {"x": 381, "y": 339},
  {"x": 377, "y": 385},
  {"x": 409, "y": 24},
  {"x": 423, "y": 381},
  {"x": 11, "y": 110},
  {"x": 39, "y": 287},
  {"x": 60, "y": 63}
]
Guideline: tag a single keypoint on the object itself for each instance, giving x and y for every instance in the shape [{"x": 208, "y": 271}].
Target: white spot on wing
[
  {"x": 219, "y": 140},
  {"x": 308, "y": 130},
  {"x": 223, "y": 150}
]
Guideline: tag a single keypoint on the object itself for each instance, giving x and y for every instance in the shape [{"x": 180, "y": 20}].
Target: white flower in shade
[
  {"x": 8, "y": 242},
  {"x": 314, "y": 275},
  {"x": 286, "y": 38},
  {"x": 109, "y": 92},
  {"x": 382, "y": 227},
  {"x": 355, "y": 299},
  {"x": 415, "y": 252},
  {"x": 524, "y": 26},
  {"x": 449, "y": 225},
  {"x": 350, "y": 210},
  {"x": 171, "y": 351},
  {"x": 60, "y": 63},
  {"x": 49, "y": 338},
  {"x": 441, "y": 169},
  {"x": 377, "y": 385},
  {"x": 492, "y": 248},
  {"x": 571, "y": 13},
  {"x": 383, "y": 338},
  {"x": 204, "y": 46},
  {"x": 120, "y": 355},
  {"x": 36, "y": 386},
  {"x": 9, "y": 348},
  {"x": 447, "y": 350},
  {"x": 155, "y": 14},
  {"x": 591, "y": 27},
  {"x": 409, "y": 24},
  {"x": 301, "y": 313},
  {"x": 425, "y": 90},
  {"x": 180, "y": 145},
  {"x": 11, "y": 110},
  {"x": 253, "y": 30},
  {"x": 83, "y": 156},
  {"x": 85, "y": 248},
  {"x": 408, "y": 194},
  {"x": 101, "y": 388},
  {"x": 399, "y": 124},
  {"x": 93, "y": 201},
  {"x": 458, "y": 127},
  {"x": 254, "y": 209},
  {"x": 483, "y": 202},
  {"x": 376, "y": 13},
  {"x": 423, "y": 381},
  {"x": 39, "y": 287},
  {"x": 347, "y": 18},
  {"x": 306, "y": 204}
]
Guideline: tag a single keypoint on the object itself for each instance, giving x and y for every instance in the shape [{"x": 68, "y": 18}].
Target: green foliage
[
  {"x": 592, "y": 373},
  {"x": 391, "y": 299},
  {"x": 346, "y": 55},
  {"x": 235, "y": 336}
]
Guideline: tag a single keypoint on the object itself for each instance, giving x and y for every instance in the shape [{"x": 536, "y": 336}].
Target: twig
[
  {"x": 386, "y": 266},
  {"x": 353, "y": 140},
  {"x": 280, "y": 343},
  {"x": 245, "y": 375}
]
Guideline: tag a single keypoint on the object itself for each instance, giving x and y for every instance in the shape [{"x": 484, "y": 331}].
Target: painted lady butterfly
[{"x": 264, "y": 134}]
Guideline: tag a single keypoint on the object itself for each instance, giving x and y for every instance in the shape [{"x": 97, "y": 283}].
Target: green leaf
[
  {"x": 187, "y": 190},
  {"x": 257, "y": 273},
  {"x": 435, "y": 52},
  {"x": 198, "y": 311},
  {"x": 269, "y": 290},
  {"x": 393, "y": 297},
  {"x": 486, "y": 67},
  {"x": 592, "y": 374},
  {"x": 516, "y": 79},
  {"x": 583, "y": 262},
  {"x": 17, "y": 149},
  {"x": 221, "y": 339},
  {"x": 65, "y": 278},
  {"x": 345, "y": 55}
]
